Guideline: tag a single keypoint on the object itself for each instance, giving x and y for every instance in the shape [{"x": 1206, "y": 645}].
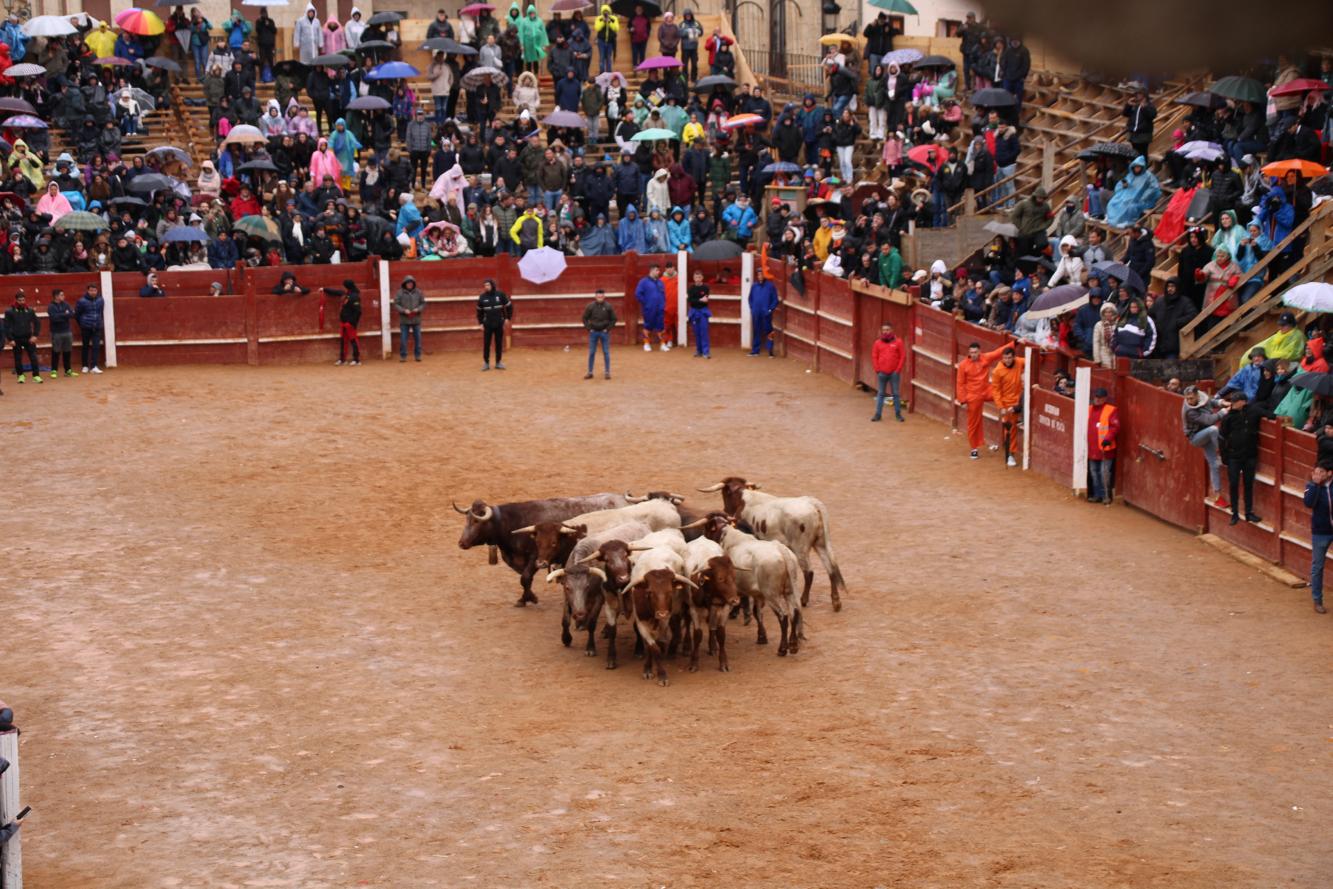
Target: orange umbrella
[{"x": 1308, "y": 169}]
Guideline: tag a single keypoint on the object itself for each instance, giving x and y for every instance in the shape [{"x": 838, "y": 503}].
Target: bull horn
[
  {"x": 528, "y": 530},
  {"x": 598, "y": 573},
  {"x": 632, "y": 499},
  {"x": 710, "y": 489},
  {"x": 555, "y": 575},
  {"x": 572, "y": 529},
  {"x": 685, "y": 580},
  {"x": 639, "y": 548},
  {"x": 457, "y": 509},
  {"x": 743, "y": 570},
  {"x": 596, "y": 555},
  {"x": 676, "y": 497},
  {"x": 485, "y": 516},
  {"x": 753, "y": 486},
  {"x": 697, "y": 523}
]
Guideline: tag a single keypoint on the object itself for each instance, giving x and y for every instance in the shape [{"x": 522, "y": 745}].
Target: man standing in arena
[
  {"x": 599, "y": 319},
  {"x": 651, "y": 297},
  {"x": 972, "y": 390},
  {"x": 1006, "y": 390}
]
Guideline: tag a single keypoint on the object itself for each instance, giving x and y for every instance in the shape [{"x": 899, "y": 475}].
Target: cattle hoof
[
  {"x": 731, "y": 615},
  {"x": 746, "y": 623},
  {"x": 647, "y": 674},
  {"x": 694, "y": 668},
  {"x": 805, "y": 600},
  {"x": 724, "y": 668},
  {"x": 782, "y": 652},
  {"x": 567, "y": 640},
  {"x": 793, "y": 648},
  {"x": 591, "y": 652},
  {"x": 611, "y": 666},
  {"x": 762, "y": 640},
  {"x": 663, "y": 682}
]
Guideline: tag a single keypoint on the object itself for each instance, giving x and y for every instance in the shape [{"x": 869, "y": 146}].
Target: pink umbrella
[
  {"x": 743, "y": 120},
  {"x": 442, "y": 226},
  {"x": 570, "y": 5},
  {"x": 658, "y": 62},
  {"x": 541, "y": 265},
  {"x": 562, "y": 119},
  {"x": 112, "y": 60},
  {"x": 476, "y": 9}
]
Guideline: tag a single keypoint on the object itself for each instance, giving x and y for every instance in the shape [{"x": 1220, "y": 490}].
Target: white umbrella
[
  {"x": 48, "y": 26},
  {"x": 1314, "y": 296},
  {"x": 245, "y": 134},
  {"x": 24, "y": 69},
  {"x": 541, "y": 265}
]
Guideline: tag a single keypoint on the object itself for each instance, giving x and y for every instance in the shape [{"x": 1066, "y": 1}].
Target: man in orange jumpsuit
[
  {"x": 1006, "y": 390},
  {"x": 972, "y": 391}
]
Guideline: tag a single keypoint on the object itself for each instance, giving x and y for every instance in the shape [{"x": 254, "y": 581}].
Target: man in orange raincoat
[
  {"x": 1006, "y": 390},
  {"x": 972, "y": 391}
]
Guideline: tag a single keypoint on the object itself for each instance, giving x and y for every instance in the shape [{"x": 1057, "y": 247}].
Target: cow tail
[{"x": 825, "y": 550}]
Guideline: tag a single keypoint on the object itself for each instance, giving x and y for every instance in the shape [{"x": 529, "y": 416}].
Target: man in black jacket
[
  {"x": 349, "y": 316},
  {"x": 1239, "y": 440},
  {"x": 494, "y": 308},
  {"x": 1319, "y": 500},
  {"x": 266, "y": 40},
  {"x": 1139, "y": 116},
  {"x": 599, "y": 319},
  {"x": 1015, "y": 63},
  {"x": 22, "y": 326}
]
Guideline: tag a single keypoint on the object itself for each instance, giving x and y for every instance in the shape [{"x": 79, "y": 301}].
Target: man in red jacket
[
  {"x": 887, "y": 356},
  {"x": 1103, "y": 427},
  {"x": 972, "y": 391}
]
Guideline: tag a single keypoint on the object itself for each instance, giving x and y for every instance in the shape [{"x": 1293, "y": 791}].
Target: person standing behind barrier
[
  {"x": 650, "y": 294},
  {"x": 494, "y": 308},
  {"x": 409, "y": 301},
  {"x": 887, "y": 357},
  {"x": 349, "y": 316},
  {"x": 696, "y": 299},
  {"x": 1006, "y": 388},
  {"x": 1103, "y": 427},
  {"x": 1239, "y": 439},
  {"x": 1319, "y": 500},
  {"x": 1200, "y": 415},
  {"x": 22, "y": 326},
  {"x": 763, "y": 303},
  {"x": 972, "y": 389},
  {"x": 58, "y": 316},
  {"x": 88, "y": 313},
  {"x": 599, "y": 319}
]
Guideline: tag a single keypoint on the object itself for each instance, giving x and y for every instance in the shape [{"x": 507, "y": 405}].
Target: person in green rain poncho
[
  {"x": 532, "y": 34},
  {"x": 344, "y": 146}
]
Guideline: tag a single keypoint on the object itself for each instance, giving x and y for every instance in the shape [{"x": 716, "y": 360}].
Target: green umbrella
[
  {"x": 653, "y": 135},
  {"x": 902, "y": 7},
  {"x": 80, "y": 221},
  {"x": 257, "y": 226},
  {"x": 1242, "y": 89}
]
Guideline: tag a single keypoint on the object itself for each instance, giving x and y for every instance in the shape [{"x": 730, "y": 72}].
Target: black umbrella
[
  {"x": 373, "y": 46},
  {"x": 934, "y": 62},
  {"x": 1242, "y": 89},
  {"x": 164, "y": 64},
  {"x": 129, "y": 201},
  {"x": 369, "y": 103},
  {"x": 704, "y": 84},
  {"x": 447, "y": 46},
  {"x": 712, "y": 251},
  {"x": 385, "y": 18},
  {"x": 18, "y": 106},
  {"x": 150, "y": 182},
  {"x": 993, "y": 98},
  {"x": 1203, "y": 100},
  {"x": 831, "y": 208},
  {"x": 1116, "y": 149},
  {"x": 1319, "y": 383},
  {"x": 1035, "y": 261},
  {"x": 1089, "y": 154},
  {"x": 291, "y": 67},
  {"x": 259, "y": 166},
  {"x": 1322, "y": 185},
  {"x": 330, "y": 61},
  {"x": 626, "y": 8},
  {"x": 1057, "y": 301},
  {"x": 1122, "y": 273}
]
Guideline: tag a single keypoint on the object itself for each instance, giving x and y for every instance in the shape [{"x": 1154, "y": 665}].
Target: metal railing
[{"x": 787, "y": 73}]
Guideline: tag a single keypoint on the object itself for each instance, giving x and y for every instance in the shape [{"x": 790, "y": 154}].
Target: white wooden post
[
  {"x": 386, "y": 338},
  {"x": 682, "y": 289},
  {"x": 1027, "y": 407},
  {"x": 747, "y": 279},
  {"x": 1082, "y": 399},
  {"x": 108, "y": 320},
  {"x": 11, "y": 857}
]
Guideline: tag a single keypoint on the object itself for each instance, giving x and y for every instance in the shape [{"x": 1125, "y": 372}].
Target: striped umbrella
[
  {"x": 140, "y": 21},
  {"x": 743, "y": 120},
  {"x": 80, "y": 221},
  {"x": 25, "y": 69}
]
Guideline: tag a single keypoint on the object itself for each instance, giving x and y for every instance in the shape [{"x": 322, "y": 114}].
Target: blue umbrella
[
  {"x": 782, "y": 167},
  {"x": 186, "y": 233},
  {"x": 393, "y": 71}
]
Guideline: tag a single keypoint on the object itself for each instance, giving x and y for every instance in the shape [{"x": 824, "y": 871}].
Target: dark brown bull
[
  {"x": 554, "y": 540},
  {"x": 494, "y": 526},
  {"x": 651, "y": 603},
  {"x": 708, "y": 602}
]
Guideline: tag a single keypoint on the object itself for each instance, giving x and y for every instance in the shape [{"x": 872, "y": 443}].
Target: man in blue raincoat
[
  {"x": 651, "y": 297},
  {"x": 1134, "y": 195},
  {"x": 763, "y": 302}
]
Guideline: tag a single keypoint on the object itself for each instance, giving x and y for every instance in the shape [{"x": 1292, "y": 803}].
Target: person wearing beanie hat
[
  {"x": 22, "y": 327},
  {"x": 1103, "y": 427}
]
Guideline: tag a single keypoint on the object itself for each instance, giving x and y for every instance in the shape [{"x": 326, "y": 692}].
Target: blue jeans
[
  {"x": 441, "y": 103},
  {"x": 893, "y": 381},
  {"x": 404, "y": 331},
  {"x": 200, "y": 59},
  {"x": 760, "y": 327},
  {"x": 551, "y": 198},
  {"x": 1206, "y": 441},
  {"x": 1003, "y": 191},
  {"x": 639, "y": 51},
  {"x": 1249, "y": 289},
  {"x": 839, "y": 103},
  {"x": 699, "y": 326},
  {"x": 603, "y": 337},
  {"x": 1319, "y": 544},
  {"x": 606, "y": 56},
  {"x": 1101, "y": 473},
  {"x": 941, "y": 217}
]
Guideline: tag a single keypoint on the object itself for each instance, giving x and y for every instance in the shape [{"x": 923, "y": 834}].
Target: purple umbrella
[
  {"x": 18, "y": 106},
  {"x": 24, "y": 122},
  {"x": 1057, "y": 301},
  {"x": 541, "y": 265},
  {"x": 563, "y": 119},
  {"x": 658, "y": 62}
]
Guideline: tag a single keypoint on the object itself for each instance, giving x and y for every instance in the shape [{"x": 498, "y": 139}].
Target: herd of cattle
[{"x": 670, "y": 569}]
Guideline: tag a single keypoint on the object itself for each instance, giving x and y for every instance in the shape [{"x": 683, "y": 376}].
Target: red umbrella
[
  {"x": 1300, "y": 85},
  {"x": 743, "y": 120},
  {"x": 932, "y": 156},
  {"x": 476, "y": 9}
]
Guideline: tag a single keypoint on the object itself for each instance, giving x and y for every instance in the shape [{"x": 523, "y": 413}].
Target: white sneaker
[
  {"x": 97, "y": 370},
  {"x": 84, "y": 371},
  {"x": 1011, "y": 461},
  {"x": 647, "y": 347},
  {"x": 666, "y": 347}
]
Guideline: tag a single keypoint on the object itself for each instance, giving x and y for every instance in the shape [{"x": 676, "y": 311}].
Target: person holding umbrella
[{"x": 494, "y": 308}]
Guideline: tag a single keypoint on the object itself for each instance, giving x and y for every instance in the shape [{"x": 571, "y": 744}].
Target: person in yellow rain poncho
[
  {"x": 605, "y": 28},
  {"x": 102, "y": 42},
  {"x": 1288, "y": 342},
  {"x": 27, "y": 163}
]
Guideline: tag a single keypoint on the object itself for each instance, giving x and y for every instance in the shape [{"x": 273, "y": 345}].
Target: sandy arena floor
[{"x": 246, "y": 651}]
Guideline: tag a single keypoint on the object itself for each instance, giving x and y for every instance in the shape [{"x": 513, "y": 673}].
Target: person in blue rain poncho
[{"x": 1134, "y": 195}]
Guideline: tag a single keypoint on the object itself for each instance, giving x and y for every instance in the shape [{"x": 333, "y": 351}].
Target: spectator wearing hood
[
  {"x": 678, "y": 231},
  {"x": 1135, "y": 334},
  {"x": 1141, "y": 253},
  {"x": 1249, "y": 252},
  {"x": 630, "y": 233},
  {"x": 223, "y": 252},
  {"x": 409, "y": 302},
  {"x": 1170, "y": 313},
  {"x": 1134, "y": 195},
  {"x": 308, "y": 35},
  {"x": 1277, "y": 218},
  {"x": 600, "y": 239}
]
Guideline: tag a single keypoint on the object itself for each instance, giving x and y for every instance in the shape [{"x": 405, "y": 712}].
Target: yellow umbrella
[{"x": 838, "y": 40}]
